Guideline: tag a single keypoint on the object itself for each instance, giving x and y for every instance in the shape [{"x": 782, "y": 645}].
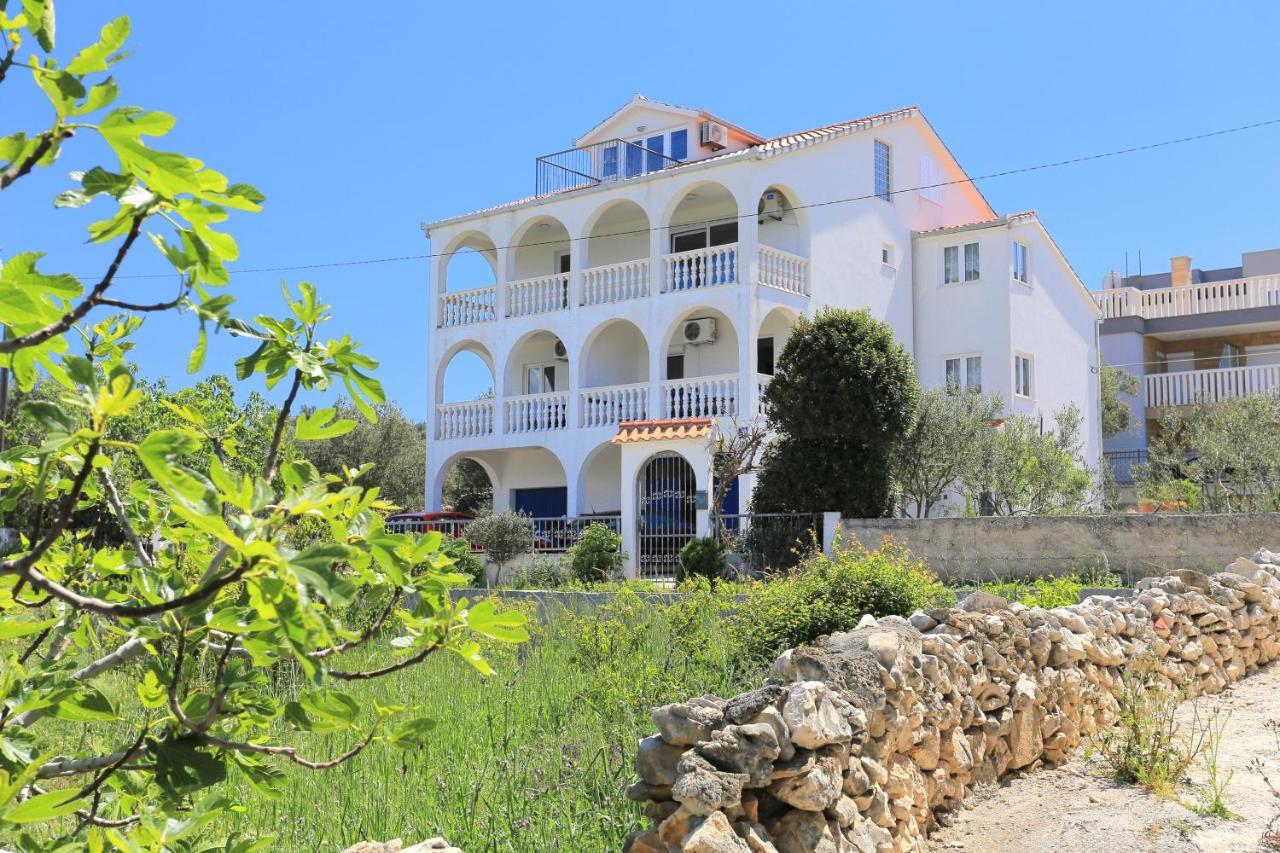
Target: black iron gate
[{"x": 668, "y": 513}]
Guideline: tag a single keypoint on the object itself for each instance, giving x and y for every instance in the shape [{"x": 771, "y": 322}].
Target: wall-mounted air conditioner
[
  {"x": 771, "y": 206},
  {"x": 562, "y": 354},
  {"x": 700, "y": 330},
  {"x": 714, "y": 135}
]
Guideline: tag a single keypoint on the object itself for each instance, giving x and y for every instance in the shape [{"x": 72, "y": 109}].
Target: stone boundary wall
[
  {"x": 867, "y": 740},
  {"x": 1134, "y": 545}
]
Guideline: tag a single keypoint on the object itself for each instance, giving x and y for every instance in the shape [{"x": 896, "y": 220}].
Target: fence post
[{"x": 830, "y": 526}]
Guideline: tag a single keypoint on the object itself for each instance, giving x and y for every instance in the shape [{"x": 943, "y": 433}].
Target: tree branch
[
  {"x": 290, "y": 752},
  {"x": 76, "y": 766},
  {"x": 281, "y": 419},
  {"x": 47, "y": 139},
  {"x": 386, "y": 670},
  {"x": 117, "y": 506},
  {"x": 94, "y": 298},
  {"x": 127, "y": 651},
  {"x": 363, "y": 638},
  {"x": 122, "y": 609},
  {"x": 21, "y": 565}
]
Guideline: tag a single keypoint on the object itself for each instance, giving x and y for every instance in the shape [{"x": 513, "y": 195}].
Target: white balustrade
[
  {"x": 1206, "y": 298},
  {"x": 615, "y": 282},
  {"x": 700, "y": 397},
  {"x": 783, "y": 271},
  {"x": 464, "y": 307},
  {"x": 464, "y": 420},
  {"x": 762, "y": 383},
  {"x": 710, "y": 267},
  {"x": 614, "y": 404},
  {"x": 538, "y": 295},
  {"x": 537, "y": 412},
  {"x": 1185, "y": 387}
]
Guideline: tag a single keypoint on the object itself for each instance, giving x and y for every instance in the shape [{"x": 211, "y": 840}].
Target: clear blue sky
[{"x": 361, "y": 122}]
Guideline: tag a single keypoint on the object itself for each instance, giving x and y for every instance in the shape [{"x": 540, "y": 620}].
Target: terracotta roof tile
[{"x": 662, "y": 430}]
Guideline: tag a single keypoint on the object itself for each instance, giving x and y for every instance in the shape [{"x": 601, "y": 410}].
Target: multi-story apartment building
[
  {"x": 1190, "y": 335},
  {"x": 648, "y": 287}
]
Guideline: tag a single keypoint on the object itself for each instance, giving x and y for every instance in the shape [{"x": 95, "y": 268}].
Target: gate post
[{"x": 830, "y": 529}]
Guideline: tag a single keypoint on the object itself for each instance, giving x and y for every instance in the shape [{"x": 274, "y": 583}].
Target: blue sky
[{"x": 361, "y": 122}]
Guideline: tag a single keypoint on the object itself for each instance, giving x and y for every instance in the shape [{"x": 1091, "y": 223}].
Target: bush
[
  {"x": 827, "y": 594},
  {"x": 504, "y": 536},
  {"x": 541, "y": 573},
  {"x": 701, "y": 558},
  {"x": 464, "y": 562},
  {"x": 597, "y": 555}
]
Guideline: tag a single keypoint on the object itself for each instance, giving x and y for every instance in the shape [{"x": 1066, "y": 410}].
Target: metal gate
[{"x": 667, "y": 518}]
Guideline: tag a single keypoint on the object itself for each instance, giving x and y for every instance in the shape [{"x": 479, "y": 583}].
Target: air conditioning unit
[
  {"x": 772, "y": 207},
  {"x": 714, "y": 135},
  {"x": 561, "y": 352},
  {"x": 701, "y": 330}
]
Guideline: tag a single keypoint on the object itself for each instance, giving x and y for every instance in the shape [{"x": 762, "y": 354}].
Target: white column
[
  {"x": 572, "y": 474},
  {"x": 747, "y": 315},
  {"x": 632, "y": 457},
  {"x": 657, "y": 322},
  {"x": 503, "y": 257}
]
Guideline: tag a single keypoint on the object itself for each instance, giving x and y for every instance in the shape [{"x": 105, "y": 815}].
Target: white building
[{"x": 658, "y": 272}]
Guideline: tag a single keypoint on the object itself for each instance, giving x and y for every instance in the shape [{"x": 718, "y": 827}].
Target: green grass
[{"x": 536, "y": 757}]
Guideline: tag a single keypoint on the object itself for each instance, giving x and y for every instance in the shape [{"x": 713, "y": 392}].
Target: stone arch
[
  {"x": 457, "y": 265},
  {"x": 616, "y": 352},
  {"x": 616, "y": 232},
  {"x": 447, "y": 359},
  {"x": 600, "y": 480},
  {"x": 535, "y": 347},
  {"x": 535, "y": 248}
]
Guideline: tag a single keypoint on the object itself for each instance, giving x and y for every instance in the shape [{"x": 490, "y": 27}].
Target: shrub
[
  {"x": 504, "y": 536},
  {"x": 701, "y": 558},
  {"x": 597, "y": 555},
  {"x": 826, "y": 594},
  {"x": 464, "y": 562},
  {"x": 542, "y": 572},
  {"x": 1050, "y": 592}
]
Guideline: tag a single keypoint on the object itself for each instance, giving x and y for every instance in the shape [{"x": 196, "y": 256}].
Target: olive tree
[
  {"x": 503, "y": 536},
  {"x": 204, "y": 599},
  {"x": 942, "y": 445}
]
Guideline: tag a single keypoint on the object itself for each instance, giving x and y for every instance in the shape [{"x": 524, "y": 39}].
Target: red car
[{"x": 448, "y": 522}]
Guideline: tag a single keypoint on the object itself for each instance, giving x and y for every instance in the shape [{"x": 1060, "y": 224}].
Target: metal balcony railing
[{"x": 611, "y": 160}]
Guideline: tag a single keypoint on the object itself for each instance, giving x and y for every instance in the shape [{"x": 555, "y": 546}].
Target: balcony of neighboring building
[
  {"x": 1187, "y": 296},
  {"x": 703, "y": 240},
  {"x": 1183, "y": 371}
]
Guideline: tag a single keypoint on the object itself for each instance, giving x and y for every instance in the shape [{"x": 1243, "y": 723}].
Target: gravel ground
[{"x": 1076, "y": 808}]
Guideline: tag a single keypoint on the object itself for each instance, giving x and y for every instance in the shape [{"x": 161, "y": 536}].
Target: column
[{"x": 748, "y": 307}]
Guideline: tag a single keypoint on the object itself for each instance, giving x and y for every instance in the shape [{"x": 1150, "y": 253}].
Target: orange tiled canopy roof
[{"x": 662, "y": 430}]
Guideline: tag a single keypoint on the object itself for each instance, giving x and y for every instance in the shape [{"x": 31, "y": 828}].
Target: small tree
[
  {"x": 1021, "y": 469},
  {"x": 942, "y": 445},
  {"x": 735, "y": 450},
  {"x": 1116, "y": 414},
  {"x": 597, "y": 555},
  {"x": 841, "y": 400},
  {"x": 503, "y": 535}
]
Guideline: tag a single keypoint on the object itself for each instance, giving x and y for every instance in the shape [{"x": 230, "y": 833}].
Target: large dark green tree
[
  {"x": 842, "y": 397},
  {"x": 394, "y": 445}
]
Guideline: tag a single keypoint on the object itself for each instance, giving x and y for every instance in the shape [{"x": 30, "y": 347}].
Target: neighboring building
[
  {"x": 656, "y": 276},
  {"x": 1190, "y": 335}
]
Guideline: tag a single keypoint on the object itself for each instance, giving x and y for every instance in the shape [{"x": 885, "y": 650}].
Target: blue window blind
[
  {"x": 654, "y": 154},
  {"x": 635, "y": 160},
  {"x": 609, "y": 162},
  {"x": 679, "y": 145}
]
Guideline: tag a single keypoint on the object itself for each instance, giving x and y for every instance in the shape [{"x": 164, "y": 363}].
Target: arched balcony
[
  {"x": 460, "y": 412},
  {"x": 700, "y": 370},
  {"x": 617, "y": 254},
  {"x": 702, "y": 235},
  {"x": 783, "y": 242},
  {"x": 468, "y": 290},
  {"x": 614, "y": 375},
  {"x": 538, "y": 278},
  {"x": 771, "y": 337},
  {"x": 536, "y": 385}
]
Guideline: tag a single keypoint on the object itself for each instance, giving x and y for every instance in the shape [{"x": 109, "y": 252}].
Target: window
[
  {"x": 539, "y": 378},
  {"x": 971, "y": 272},
  {"x": 951, "y": 265},
  {"x": 964, "y": 372},
  {"x": 654, "y": 155},
  {"x": 1022, "y": 385},
  {"x": 884, "y": 171},
  {"x": 701, "y": 238},
  {"x": 609, "y": 162},
  {"x": 931, "y": 179},
  {"x": 635, "y": 160},
  {"x": 1230, "y": 356},
  {"x": 675, "y": 366},
  {"x": 1019, "y": 262},
  {"x": 886, "y": 254},
  {"x": 679, "y": 145},
  {"x": 764, "y": 356}
]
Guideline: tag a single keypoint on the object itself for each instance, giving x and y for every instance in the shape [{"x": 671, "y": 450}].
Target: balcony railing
[
  {"x": 464, "y": 420},
  {"x": 538, "y": 295},
  {"x": 1207, "y": 298},
  {"x": 615, "y": 282},
  {"x": 783, "y": 270},
  {"x": 700, "y": 397},
  {"x": 699, "y": 268},
  {"x": 1122, "y": 462},
  {"x": 536, "y": 412},
  {"x": 1185, "y": 387},
  {"x": 610, "y": 406},
  {"x": 611, "y": 160},
  {"x": 464, "y": 307}
]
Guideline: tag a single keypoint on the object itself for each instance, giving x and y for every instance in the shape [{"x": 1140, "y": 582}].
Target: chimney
[{"x": 1180, "y": 270}]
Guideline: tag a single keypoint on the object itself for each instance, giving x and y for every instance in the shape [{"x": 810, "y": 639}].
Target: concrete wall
[{"x": 1133, "y": 545}]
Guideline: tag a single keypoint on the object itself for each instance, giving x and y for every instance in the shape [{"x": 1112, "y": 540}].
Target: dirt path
[{"x": 1076, "y": 808}]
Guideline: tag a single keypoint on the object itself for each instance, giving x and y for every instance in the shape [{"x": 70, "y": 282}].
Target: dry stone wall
[{"x": 867, "y": 740}]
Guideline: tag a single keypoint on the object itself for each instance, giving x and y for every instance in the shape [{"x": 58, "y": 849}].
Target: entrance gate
[{"x": 667, "y": 518}]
